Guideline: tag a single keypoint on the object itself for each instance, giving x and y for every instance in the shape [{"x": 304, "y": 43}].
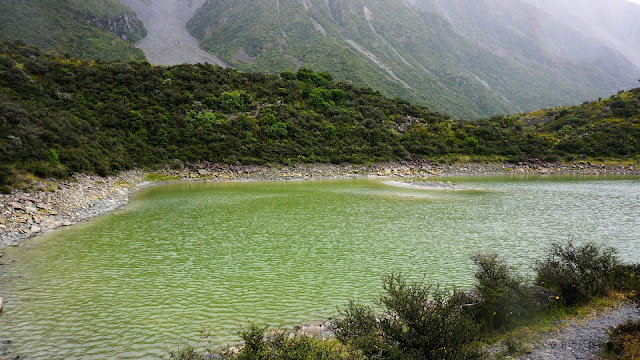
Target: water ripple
[{"x": 184, "y": 257}]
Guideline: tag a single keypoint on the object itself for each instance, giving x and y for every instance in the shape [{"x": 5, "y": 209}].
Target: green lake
[{"x": 142, "y": 281}]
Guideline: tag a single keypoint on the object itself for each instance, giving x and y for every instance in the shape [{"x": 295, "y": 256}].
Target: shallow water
[{"x": 141, "y": 281}]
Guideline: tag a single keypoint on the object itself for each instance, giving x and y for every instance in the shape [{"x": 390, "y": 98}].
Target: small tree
[{"x": 53, "y": 157}]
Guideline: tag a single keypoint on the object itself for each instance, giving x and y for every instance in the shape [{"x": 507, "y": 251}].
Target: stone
[
  {"x": 541, "y": 297},
  {"x": 3, "y": 227},
  {"x": 30, "y": 209},
  {"x": 35, "y": 229},
  {"x": 1, "y": 301},
  {"x": 16, "y": 206},
  {"x": 66, "y": 223}
]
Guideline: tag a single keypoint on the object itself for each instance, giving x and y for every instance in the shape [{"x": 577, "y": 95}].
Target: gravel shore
[
  {"x": 52, "y": 203},
  {"x": 582, "y": 339}
]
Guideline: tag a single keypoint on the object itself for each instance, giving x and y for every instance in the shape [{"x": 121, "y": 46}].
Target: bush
[
  {"x": 359, "y": 327},
  {"x": 283, "y": 346},
  {"x": 624, "y": 340},
  {"x": 578, "y": 273},
  {"x": 188, "y": 353},
  {"x": 6, "y": 175},
  {"x": 419, "y": 322},
  {"x": 503, "y": 297}
]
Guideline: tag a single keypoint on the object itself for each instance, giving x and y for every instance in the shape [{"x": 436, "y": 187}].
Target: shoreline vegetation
[
  {"x": 581, "y": 303},
  {"x": 42, "y": 205}
]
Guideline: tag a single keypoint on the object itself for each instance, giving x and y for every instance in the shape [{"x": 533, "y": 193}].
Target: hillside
[
  {"x": 419, "y": 53},
  {"x": 61, "y": 115},
  {"x": 86, "y": 29}
]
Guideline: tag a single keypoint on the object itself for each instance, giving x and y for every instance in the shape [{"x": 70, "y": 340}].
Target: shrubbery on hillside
[{"x": 104, "y": 117}]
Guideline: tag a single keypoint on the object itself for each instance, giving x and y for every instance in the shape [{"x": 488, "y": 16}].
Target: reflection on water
[{"x": 143, "y": 280}]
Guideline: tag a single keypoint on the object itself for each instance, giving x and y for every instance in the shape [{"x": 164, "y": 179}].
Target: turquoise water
[{"x": 141, "y": 281}]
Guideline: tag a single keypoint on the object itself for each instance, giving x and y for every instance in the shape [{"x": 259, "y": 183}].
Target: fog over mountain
[{"x": 615, "y": 22}]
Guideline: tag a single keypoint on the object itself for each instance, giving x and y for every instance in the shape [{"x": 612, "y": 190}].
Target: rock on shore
[{"x": 27, "y": 214}]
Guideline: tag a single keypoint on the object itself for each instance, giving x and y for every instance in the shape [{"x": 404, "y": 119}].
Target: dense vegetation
[
  {"x": 418, "y": 55},
  {"x": 424, "y": 321},
  {"x": 86, "y": 29},
  {"x": 60, "y": 115}
]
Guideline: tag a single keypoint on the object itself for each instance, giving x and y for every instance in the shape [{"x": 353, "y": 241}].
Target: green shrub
[
  {"x": 6, "y": 175},
  {"x": 283, "y": 346},
  {"x": 503, "y": 296},
  {"x": 358, "y": 326},
  {"x": 425, "y": 321},
  {"x": 187, "y": 353},
  {"x": 5, "y": 189},
  {"x": 419, "y": 322},
  {"x": 53, "y": 157},
  {"x": 577, "y": 273}
]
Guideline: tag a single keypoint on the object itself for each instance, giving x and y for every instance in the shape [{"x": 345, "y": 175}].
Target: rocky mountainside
[
  {"x": 168, "y": 41},
  {"x": 86, "y": 29},
  {"x": 419, "y": 52}
]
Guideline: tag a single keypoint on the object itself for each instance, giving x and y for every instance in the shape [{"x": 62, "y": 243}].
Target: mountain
[
  {"x": 60, "y": 115},
  {"x": 417, "y": 51},
  {"x": 614, "y": 22},
  {"x": 531, "y": 35},
  {"x": 86, "y": 29}
]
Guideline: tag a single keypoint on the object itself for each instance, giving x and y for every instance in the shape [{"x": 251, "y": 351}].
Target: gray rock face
[{"x": 168, "y": 42}]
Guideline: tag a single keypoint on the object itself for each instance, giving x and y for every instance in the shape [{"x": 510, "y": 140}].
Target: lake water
[{"x": 141, "y": 281}]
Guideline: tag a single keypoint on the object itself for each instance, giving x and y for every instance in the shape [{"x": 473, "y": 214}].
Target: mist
[{"x": 614, "y": 23}]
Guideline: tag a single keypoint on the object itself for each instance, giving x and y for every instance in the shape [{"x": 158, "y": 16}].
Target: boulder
[
  {"x": 34, "y": 229},
  {"x": 541, "y": 297},
  {"x": 0, "y": 303}
]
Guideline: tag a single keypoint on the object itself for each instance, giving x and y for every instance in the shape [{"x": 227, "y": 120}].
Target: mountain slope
[
  {"x": 392, "y": 46},
  {"x": 532, "y": 36},
  {"x": 87, "y": 29}
]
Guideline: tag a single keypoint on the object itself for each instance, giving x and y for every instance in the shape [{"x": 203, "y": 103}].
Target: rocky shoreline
[{"x": 52, "y": 204}]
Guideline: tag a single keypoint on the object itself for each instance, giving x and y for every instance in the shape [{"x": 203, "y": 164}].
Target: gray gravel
[
  {"x": 582, "y": 339},
  {"x": 168, "y": 42}
]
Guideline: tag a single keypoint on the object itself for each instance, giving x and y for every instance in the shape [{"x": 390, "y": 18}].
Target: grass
[
  {"x": 160, "y": 177},
  {"x": 625, "y": 342}
]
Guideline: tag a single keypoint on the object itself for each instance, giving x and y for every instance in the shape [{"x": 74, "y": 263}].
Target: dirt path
[
  {"x": 168, "y": 41},
  {"x": 582, "y": 339}
]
